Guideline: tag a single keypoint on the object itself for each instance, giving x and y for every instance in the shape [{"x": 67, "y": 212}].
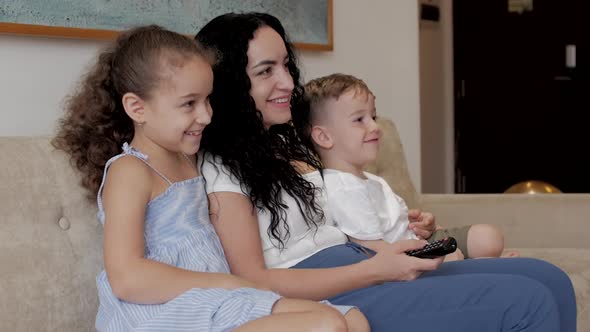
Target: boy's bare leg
[{"x": 485, "y": 240}]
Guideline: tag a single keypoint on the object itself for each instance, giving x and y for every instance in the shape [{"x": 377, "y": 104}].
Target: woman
[{"x": 267, "y": 211}]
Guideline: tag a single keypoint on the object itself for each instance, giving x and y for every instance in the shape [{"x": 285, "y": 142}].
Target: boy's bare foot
[
  {"x": 456, "y": 256},
  {"x": 510, "y": 254}
]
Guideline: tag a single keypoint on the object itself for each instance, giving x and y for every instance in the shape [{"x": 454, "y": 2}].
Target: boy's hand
[{"x": 421, "y": 223}]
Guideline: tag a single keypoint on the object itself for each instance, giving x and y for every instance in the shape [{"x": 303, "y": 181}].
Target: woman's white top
[{"x": 302, "y": 242}]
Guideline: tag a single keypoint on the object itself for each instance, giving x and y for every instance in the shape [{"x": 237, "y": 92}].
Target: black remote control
[{"x": 435, "y": 249}]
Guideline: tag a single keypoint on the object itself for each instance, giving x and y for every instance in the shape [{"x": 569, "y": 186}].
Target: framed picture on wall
[{"x": 308, "y": 22}]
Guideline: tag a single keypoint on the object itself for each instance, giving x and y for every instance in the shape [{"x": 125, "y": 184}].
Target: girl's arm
[
  {"x": 132, "y": 277},
  {"x": 236, "y": 223}
]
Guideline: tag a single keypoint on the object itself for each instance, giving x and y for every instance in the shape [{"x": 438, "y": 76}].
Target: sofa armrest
[{"x": 528, "y": 221}]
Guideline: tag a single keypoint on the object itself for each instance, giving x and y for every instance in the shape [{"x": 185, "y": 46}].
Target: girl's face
[
  {"x": 271, "y": 81},
  {"x": 179, "y": 109}
]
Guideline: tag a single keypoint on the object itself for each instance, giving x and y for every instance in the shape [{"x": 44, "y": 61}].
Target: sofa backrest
[
  {"x": 51, "y": 241},
  {"x": 391, "y": 164}
]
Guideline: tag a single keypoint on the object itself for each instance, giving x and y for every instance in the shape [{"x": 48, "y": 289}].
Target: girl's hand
[
  {"x": 421, "y": 223},
  {"x": 392, "y": 263}
]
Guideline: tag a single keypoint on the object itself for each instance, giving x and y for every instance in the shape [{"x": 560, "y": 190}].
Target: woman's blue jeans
[{"x": 503, "y": 294}]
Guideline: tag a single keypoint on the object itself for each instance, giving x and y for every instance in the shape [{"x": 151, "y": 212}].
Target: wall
[
  {"x": 378, "y": 43},
  {"x": 436, "y": 100},
  {"x": 36, "y": 75}
]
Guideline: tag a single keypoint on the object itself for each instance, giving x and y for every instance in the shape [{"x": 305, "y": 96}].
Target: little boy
[{"x": 342, "y": 129}]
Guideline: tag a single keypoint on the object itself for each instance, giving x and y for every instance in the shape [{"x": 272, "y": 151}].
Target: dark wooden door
[{"x": 520, "y": 113}]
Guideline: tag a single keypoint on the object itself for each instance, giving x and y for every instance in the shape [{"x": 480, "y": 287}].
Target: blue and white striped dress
[{"x": 178, "y": 232}]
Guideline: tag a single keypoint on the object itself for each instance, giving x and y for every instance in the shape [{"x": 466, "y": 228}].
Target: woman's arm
[
  {"x": 236, "y": 222},
  {"x": 132, "y": 277}
]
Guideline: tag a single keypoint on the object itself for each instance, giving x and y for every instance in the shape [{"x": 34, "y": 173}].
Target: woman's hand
[
  {"x": 392, "y": 263},
  {"x": 421, "y": 223}
]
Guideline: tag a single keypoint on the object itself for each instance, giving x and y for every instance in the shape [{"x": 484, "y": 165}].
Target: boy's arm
[
  {"x": 422, "y": 224},
  {"x": 354, "y": 214}
]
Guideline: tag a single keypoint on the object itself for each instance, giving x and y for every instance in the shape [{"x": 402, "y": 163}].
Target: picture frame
[{"x": 309, "y": 23}]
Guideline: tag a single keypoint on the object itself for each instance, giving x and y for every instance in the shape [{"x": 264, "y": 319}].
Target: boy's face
[{"x": 351, "y": 133}]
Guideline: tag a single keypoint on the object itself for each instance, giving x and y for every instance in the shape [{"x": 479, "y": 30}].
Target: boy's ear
[
  {"x": 134, "y": 107},
  {"x": 321, "y": 137}
]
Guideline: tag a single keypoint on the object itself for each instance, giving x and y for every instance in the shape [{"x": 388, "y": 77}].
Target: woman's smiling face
[{"x": 271, "y": 82}]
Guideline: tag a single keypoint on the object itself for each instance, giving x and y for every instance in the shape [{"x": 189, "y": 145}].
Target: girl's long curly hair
[
  {"x": 95, "y": 125},
  {"x": 260, "y": 159}
]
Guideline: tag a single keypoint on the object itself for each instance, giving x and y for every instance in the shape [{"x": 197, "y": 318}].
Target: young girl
[{"x": 164, "y": 265}]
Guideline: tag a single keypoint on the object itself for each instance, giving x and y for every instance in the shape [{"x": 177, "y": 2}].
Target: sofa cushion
[
  {"x": 50, "y": 241},
  {"x": 576, "y": 263}
]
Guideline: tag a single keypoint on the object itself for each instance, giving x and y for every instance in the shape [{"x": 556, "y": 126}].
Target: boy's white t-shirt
[
  {"x": 303, "y": 241},
  {"x": 366, "y": 209}
]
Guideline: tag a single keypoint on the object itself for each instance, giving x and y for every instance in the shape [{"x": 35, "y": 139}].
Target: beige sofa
[{"x": 50, "y": 239}]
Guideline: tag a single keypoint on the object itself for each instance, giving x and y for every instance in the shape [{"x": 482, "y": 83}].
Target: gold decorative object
[{"x": 533, "y": 187}]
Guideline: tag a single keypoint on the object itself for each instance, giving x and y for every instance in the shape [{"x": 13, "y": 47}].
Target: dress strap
[{"x": 129, "y": 150}]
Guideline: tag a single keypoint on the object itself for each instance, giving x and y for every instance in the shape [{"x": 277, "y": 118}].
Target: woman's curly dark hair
[
  {"x": 95, "y": 125},
  {"x": 259, "y": 158}
]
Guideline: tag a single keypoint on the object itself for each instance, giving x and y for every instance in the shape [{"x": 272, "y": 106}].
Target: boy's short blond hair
[{"x": 321, "y": 89}]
